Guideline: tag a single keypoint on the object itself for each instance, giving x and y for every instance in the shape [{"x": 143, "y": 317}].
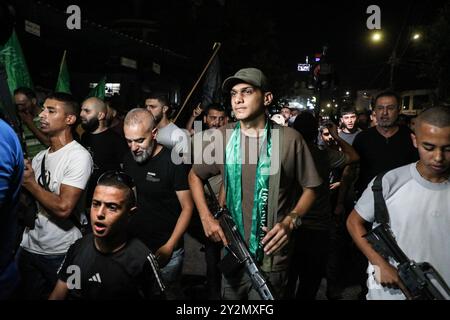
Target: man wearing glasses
[
  {"x": 381, "y": 148},
  {"x": 387, "y": 145}
]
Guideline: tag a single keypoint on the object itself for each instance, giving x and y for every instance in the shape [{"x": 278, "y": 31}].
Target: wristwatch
[{"x": 296, "y": 220}]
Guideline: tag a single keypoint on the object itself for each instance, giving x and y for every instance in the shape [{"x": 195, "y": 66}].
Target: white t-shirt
[
  {"x": 419, "y": 213},
  {"x": 71, "y": 166}
]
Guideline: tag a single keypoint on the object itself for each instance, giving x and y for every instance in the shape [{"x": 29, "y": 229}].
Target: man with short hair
[
  {"x": 169, "y": 134},
  {"x": 214, "y": 117},
  {"x": 349, "y": 125},
  {"x": 417, "y": 197},
  {"x": 286, "y": 113},
  {"x": 382, "y": 148},
  {"x": 264, "y": 219},
  {"x": 387, "y": 145},
  {"x": 164, "y": 199},
  {"x": 28, "y": 110},
  {"x": 106, "y": 147},
  {"x": 56, "y": 178},
  {"x": 110, "y": 264}
]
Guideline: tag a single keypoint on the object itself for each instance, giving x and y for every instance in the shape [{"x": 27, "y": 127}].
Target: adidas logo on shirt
[{"x": 95, "y": 278}]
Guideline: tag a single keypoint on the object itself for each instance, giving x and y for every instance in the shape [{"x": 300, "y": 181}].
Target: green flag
[
  {"x": 12, "y": 58},
  {"x": 99, "y": 90},
  {"x": 63, "y": 84}
]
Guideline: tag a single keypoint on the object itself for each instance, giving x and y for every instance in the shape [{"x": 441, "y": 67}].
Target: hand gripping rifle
[
  {"x": 239, "y": 254},
  {"x": 420, "y": 280}
]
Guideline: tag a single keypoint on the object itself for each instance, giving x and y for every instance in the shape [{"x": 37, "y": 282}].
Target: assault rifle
[
  {"x": 239, "y": 254},
  {"x": 156, "y": 271},
  {"x": 420, "y": 280}
]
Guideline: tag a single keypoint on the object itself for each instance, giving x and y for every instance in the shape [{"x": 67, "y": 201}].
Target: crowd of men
[{"x": 108, "y": 205}]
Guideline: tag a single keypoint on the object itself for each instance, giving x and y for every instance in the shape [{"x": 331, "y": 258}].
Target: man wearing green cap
[{"x": 268, "y": 175}]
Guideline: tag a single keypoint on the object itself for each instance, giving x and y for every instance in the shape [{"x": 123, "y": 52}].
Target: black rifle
[
  {"x": 421, "y": 281},
  {"x": 156, "y": 271},
  {"x": 239, "y": 252}
]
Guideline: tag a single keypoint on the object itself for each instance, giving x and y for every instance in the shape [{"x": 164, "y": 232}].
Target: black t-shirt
[
  {"x": 107, "y": 150},
  {"x": 379, "y": 154},
  {"x": 157, "y": 181},
  {"x": 125, "y": 274}
]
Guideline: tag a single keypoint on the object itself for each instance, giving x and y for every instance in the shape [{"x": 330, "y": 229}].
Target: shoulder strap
[
  {"x": 381, "y": 212},
  {"x": 75, "y": 220},
  {"x": 45, "y": 182}
]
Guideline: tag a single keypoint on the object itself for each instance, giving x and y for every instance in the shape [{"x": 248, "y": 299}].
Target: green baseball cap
[{"x": 252, "y": 76}]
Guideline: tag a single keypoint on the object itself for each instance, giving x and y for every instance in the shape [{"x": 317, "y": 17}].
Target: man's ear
[
  {"x": 165, "y": 109},
  {"x": 34, "y": 101},
  {"x": 71, "y": 119},
  {"x": 132, "y": 211},
  {"x": 101, "y": 116},
  {"x": 268, "y": 97},
  {"x": 414, "y": 140},
  {"x": 154, "y": 133}
]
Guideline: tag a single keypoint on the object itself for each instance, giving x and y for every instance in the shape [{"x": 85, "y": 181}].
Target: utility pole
[{"x": 393, "y": 61}]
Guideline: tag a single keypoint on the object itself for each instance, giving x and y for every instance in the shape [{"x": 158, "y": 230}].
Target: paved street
[{"x": 194, "y": 271}]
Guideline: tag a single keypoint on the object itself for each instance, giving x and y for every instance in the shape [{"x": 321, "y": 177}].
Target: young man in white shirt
[
  {"x": 56, "y": 178},
  {"x": 417, "y": 197}
]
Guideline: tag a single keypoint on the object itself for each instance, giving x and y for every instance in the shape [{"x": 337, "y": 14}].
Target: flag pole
[{"x": 216, "y": 49}]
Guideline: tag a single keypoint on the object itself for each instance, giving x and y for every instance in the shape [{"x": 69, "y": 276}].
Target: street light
[
  {"x": 416, "y": 36},
  {"x": 377, "y": 36},
  {"x": 394, "y": 59}
]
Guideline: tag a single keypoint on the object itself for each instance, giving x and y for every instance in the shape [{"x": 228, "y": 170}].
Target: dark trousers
[
  {"x": 308, "y": 263},
  {"x": 38, "y": 274}
]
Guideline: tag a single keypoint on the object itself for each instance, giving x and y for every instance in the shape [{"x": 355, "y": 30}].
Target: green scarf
[{"x": 233, "y": 187}]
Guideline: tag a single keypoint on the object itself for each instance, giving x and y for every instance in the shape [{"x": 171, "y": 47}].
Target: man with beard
[
  {"x": 387, "y": 145},
  {"x": 169, "y": 134},
  {"x": 214, "y": 117},
  {"x": 164, "y": 200},
  {"x": 381, "y": 148},
  {"x": 350, "y": 130},
  {"x": 417, "y": 198},
  {"x": 106, "y": 147}
]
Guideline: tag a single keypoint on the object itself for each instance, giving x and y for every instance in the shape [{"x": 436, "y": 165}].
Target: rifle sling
[
  {"x": 45, "y": 185},
  {"x": 381, "y": 212}
]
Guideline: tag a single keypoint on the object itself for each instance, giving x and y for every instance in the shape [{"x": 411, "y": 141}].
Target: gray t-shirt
[{"x": 349, "y": 137}]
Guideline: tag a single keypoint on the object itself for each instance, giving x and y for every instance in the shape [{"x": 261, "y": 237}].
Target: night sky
[{"x": 276, "y": 35}]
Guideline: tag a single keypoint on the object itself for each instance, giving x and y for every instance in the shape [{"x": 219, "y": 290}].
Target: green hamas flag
[
  {"x": 99, "y": 90},
  {"x": 63, "y": 84},
  {"x": 12, "y": 58}
]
